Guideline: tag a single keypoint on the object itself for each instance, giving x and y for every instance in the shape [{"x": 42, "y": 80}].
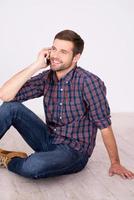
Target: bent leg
[
  {"x": 59, "y": 160},
  {"x": 30, "y": 126}
]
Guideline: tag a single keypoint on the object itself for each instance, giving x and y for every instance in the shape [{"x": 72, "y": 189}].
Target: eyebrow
[{"x": 61, "y": 49}]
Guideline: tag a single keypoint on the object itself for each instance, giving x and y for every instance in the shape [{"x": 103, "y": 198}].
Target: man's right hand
[{"x": 42, "y": 57}]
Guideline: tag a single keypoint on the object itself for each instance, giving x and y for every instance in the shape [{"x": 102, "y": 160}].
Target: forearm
[
  {"x": 110, "y": 144},
  {"x": 9, "y": 90}
]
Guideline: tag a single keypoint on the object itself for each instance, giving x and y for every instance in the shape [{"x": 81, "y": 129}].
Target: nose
[{"x": 55, "y": 54}]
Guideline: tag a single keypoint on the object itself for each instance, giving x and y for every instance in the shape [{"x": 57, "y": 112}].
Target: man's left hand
[{"x": 121, "y": 171}]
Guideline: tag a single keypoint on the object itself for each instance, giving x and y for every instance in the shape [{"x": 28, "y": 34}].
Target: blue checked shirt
[{"x": 75, "y": 106}]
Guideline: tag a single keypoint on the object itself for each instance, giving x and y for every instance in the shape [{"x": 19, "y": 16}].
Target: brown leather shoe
[{"x": 6, "y": 156}]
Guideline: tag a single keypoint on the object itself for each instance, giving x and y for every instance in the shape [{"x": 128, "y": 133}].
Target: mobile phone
[{"x": 47, "y": 60}]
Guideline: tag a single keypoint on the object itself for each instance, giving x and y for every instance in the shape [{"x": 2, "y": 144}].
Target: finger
[
  {"x": 45, "y": 60},
  {"x": 111, "y": 173},
  {"x": 47, "y": 53},
  {"x": 129, "y": 175},
  {"x": 45, "y": 50},
  {"x": 122, "y": 175},
  {"x": 126, "y": 175}
]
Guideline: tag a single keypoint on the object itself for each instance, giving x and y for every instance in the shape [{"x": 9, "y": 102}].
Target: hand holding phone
[{"x": 43, "y": 59}]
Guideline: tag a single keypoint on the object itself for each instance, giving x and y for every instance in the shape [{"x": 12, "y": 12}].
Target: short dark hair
[{"x": 73, "y": 37}]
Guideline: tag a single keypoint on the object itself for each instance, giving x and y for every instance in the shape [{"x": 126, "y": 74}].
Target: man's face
[{"x": 61, "y": 56}]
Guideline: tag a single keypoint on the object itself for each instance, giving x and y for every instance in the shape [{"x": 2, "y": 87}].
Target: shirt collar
[{"x": 66, "y": 79}]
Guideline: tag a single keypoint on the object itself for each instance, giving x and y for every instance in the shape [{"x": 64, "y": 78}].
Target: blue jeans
[{"x": 49, "y": 159}]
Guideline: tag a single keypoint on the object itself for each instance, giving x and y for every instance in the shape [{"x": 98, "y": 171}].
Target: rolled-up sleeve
[
  {"x": 95, "y": 98},
  {"x": 33, "y": 88}
]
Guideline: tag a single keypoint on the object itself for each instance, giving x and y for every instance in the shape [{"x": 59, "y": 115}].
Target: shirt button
[
  {"x": 66, "y": 82},
  {"x": 61, "y": 89},
  {"x": 60, "y": 103},
  {"x": 60, "y": 117},
  {"x": 55, "y": 129}
]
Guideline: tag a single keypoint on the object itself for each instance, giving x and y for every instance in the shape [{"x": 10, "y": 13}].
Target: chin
[
  {"x": 55, "y": 70},
  {"x": 58, "y": 68}
]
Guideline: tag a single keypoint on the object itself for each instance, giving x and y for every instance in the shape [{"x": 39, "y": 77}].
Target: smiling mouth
[{"x": 55, "y": 62}]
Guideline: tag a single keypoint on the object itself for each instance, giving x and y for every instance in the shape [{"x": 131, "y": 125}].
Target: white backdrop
[{"x": 107, "y": 26}]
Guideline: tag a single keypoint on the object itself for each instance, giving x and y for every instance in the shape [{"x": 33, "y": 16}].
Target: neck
[{"x": 62, "y": 73}]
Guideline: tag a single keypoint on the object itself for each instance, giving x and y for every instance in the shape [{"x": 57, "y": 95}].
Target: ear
[{"x": 76, "y": 57}]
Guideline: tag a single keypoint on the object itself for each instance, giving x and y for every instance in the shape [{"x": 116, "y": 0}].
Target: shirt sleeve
[
  {"x": 95, "y": 98},
  {"x": 33, "y": 88}
]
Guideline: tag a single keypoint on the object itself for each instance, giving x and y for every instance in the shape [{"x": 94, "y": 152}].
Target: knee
[
  {"x": 32, "y": 167},
  {"x": 23, "y": 168},
  {"x": 29, "y": 172},
  {"x": 10, "y": 109},
  {"x": 9, "y": 104},
  {"x": 33, "y": 172},
  {"x": 6, "y": 106}
]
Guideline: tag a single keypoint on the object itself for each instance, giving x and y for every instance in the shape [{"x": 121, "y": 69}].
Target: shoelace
[{"x": 3, "y": 160}]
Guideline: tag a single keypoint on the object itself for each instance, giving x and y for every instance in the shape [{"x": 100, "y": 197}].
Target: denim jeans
[{"x": 48, "y": 159}]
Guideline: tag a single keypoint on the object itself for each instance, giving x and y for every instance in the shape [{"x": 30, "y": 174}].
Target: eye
[
  {"x": 53, "y": 48},
  {"x": 64, "y": 51}
]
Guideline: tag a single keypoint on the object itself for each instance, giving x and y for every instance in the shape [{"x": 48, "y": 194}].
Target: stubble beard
[{"x": 61, "y": 67}]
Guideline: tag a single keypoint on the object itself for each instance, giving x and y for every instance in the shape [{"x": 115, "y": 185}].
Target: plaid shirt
[{"x": 75, "y": 106}]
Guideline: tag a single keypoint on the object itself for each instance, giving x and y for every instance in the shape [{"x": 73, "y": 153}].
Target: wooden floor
[{"x": 93, "y": 183}]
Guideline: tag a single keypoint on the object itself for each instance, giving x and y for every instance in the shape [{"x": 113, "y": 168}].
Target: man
[{"x": 75, "y": 106}]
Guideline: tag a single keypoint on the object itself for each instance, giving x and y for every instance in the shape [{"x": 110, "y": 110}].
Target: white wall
[{"x": 107, "y": 26}]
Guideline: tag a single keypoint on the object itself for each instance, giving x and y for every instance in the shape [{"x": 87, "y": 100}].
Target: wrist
[
  {"x": 36, "y": 66},
  {"x": 114, "y": 162}
]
